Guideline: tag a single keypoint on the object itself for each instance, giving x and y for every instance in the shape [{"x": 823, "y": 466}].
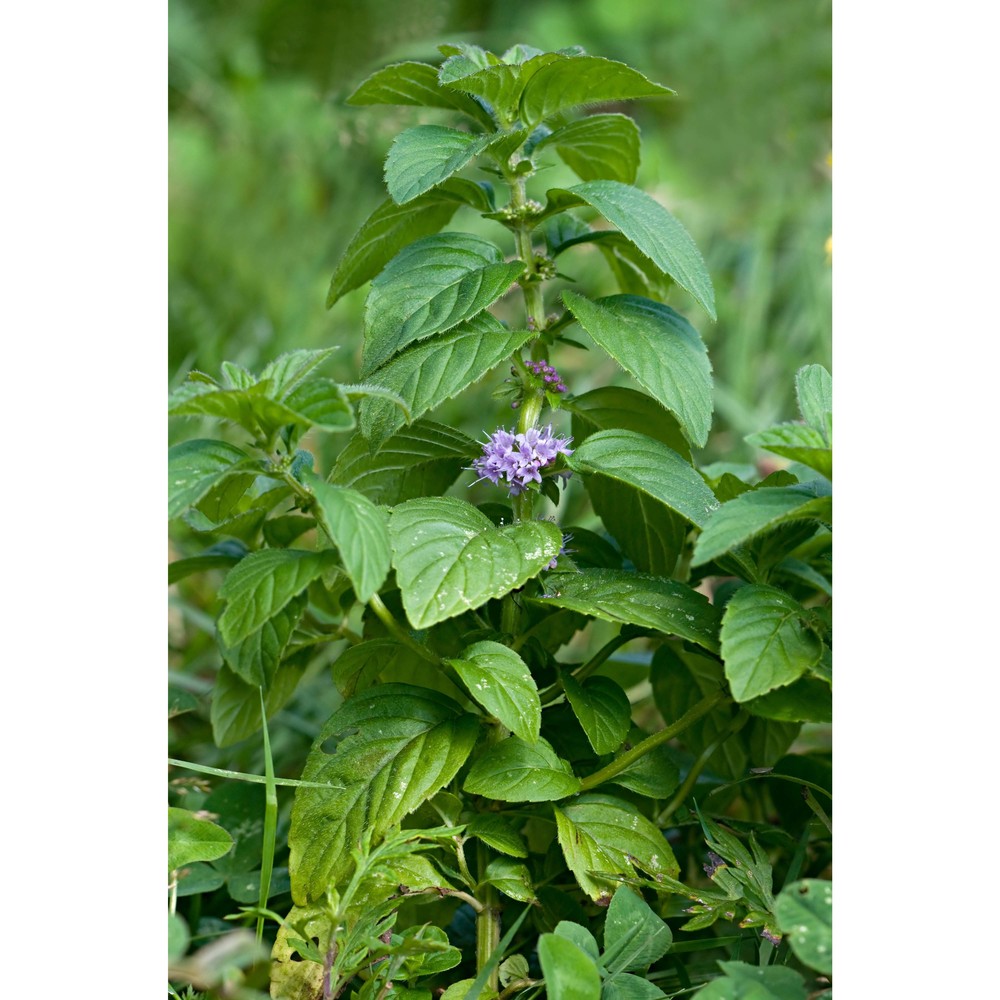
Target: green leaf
[
  {"x": 634, "y": 936},
  {"x": 288, "y": 370},
  {"x": 814, "y": 392},
  {"x": 601, "y": 147},
  {"x": 463, "y": 60},
  {"x": 513, "y": 969},
  {"x": 261, "y": 584},
  {"x": 396, "y": 745},
  {"x": 564, "y": 230},
  {"x": 580, "y": 936},
  {"x": 236, "y": 376},
  {"x": 318, "y": 402},
  {"x": 414, "y": 871},
  {"x": 636, "y": 599},
  {"x": 516, "y": 771},
  {"x": 423, "y": 459},
  {"x": 423, "y": 156},
  {"x": 649, "y": 226},
  {"x": 659, "y": 348},
  {"x": 751, "y": 513},
  {"x": 297, "y": 961},
  {"x": 192, "y": 839},
  {"x": 617, "y": 406},
  {"x": 625, "y": 986},
  {"x": 383, "y": 234},
  {"x": 359, "y": 530},
  {"x": 765, "y": 644},
  {"x": 603, "y": 710},
  {"x": 633, "y": 271},
  {"x": 678, "y": 685},
  {"x": 358, "y": 667},
  {"x": 460, "y": 991},
  {"x": 199, "y": 877},
  {"x": 649, "y": 466},
  {"x": 255, "y": 658},
  {"x": 228, "y": 498},
  {"x": 797, "y": 442},
  {"x": 178, "y": 936},
  {"x": 804, "y": 911},
  {"x": 575, "y": 80},
  {"x": 500, "y": 681},
  {"x": 195, "y": 467},
  {"x": 655, "y": 774},
  {"x": 570, "y": 973},
  {"x": 321, "y": 403},
  {"x": 652, "y": 535},
  {"x": 429, "y": 373},
  {"x": 512, "y": 878},
  {"x": 369, "y": 390},
  {"x": 809, "y": 699},
  {"x": 754, "y": 982},
  {"x": 429, "y": 287},
  {"x": 235, "y": 711},
  {"x": 499, "y": 833},
  {"x": 439, "y": 956},
  {"x": 520, "y": 53},
  {"x": 280, "y": 532},
  {"x": 219, "y": 556},
  {"x": 450, "y": 558},
  {"x": 500, "y": 85},
  {"x": 600, "y": 833},
  {"x": 415, "y": 84}
]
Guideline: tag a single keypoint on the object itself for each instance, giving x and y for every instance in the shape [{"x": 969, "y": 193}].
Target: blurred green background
[{"x": 271, "y": 174}]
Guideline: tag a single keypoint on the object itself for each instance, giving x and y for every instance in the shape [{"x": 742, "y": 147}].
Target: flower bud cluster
[
  {"x": 551, "y": 379},
  {"x": 519, "y": 458}
]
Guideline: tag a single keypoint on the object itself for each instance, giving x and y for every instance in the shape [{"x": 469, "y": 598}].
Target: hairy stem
[
  {"x": 487, "y": 923},
  {"x": 628, "y": 758}
]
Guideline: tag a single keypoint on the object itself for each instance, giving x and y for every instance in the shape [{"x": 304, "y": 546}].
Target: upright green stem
[
  {"x": 487, "y": 923},
  {"x": 533, "y": 396},
  {"x": 619, "y": 764},
  {"x": 488, "y": 919}
]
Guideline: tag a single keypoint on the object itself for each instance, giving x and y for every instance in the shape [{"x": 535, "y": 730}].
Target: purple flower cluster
[
  {"x": 519, "y": 458},
  {"x": 552, "y": 379}
]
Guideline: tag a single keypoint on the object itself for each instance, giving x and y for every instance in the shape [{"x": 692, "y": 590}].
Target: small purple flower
[{"x": 519, "y": 458}]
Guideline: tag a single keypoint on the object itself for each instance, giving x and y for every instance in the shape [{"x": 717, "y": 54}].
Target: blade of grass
[
  {"x": 820, "y": 812},
  {"x": 270, "y": 822},
  {"x": 243, "y": 776},
  {"x": 770, "y": 776}
]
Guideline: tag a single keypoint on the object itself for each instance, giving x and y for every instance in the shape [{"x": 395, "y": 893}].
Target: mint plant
[{"x": 482, "y": 816}]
